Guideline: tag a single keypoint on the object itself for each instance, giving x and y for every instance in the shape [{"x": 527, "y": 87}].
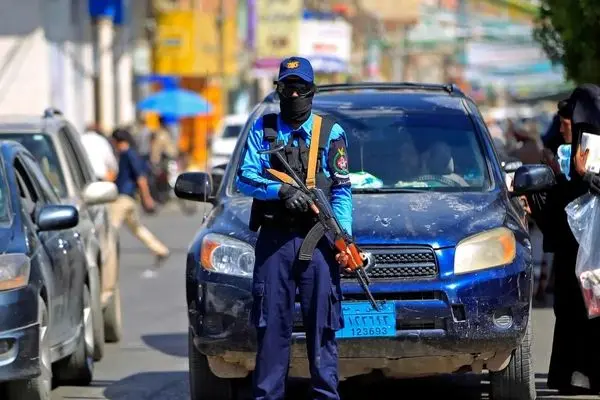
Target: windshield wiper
[{"x": 390, "y": 190}]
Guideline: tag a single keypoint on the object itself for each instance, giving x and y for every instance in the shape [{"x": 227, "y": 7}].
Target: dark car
[
  {"x": 452, "y": 255},
  {"x": 57, "y": 147},
  {"x": 45, "y": 325}
]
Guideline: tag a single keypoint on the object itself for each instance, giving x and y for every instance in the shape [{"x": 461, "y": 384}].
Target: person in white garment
[{"x": 101, "y": 154}]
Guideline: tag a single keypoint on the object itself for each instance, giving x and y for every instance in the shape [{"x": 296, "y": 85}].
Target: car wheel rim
[
  {"x": 88, "y": 326},
  {"x": 45, "y": 363}
]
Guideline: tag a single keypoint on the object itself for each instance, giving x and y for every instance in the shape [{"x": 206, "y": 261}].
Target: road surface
[{"x": 151, "y": 360}]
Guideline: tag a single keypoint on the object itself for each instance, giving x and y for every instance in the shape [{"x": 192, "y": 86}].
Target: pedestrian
[
  {"x": 130, "y": 178},
  {"x": 575, "y": 352},
  {"x": 100, "y": 153},
  {"x": 282, "y": 213},
  {"x": 162, "y": 144}
]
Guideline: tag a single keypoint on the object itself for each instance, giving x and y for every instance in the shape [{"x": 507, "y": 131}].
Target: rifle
[{"x": 327, "y": 225}]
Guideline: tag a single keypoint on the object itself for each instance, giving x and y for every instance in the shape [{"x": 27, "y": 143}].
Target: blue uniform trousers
[{"x": 277, "y": 275}]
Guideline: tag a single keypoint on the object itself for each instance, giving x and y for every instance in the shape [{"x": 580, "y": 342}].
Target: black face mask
[{"x": 295, "y": 110}]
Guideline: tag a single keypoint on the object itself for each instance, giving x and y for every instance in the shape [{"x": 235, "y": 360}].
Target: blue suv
[{"x": 449, "y": 240}]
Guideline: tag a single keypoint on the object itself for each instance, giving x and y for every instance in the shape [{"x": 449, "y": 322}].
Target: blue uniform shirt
[
  {"x": 250, "y": 179},
  {"x": 131, "y": 167}
]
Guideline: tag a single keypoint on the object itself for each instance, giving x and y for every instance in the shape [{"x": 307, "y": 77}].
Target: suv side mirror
[
  {"x": 532, "y": 178},
  {"x": 100, "y": 192},
  {"x": 195, "y": 186},
  {"x": 57, "y": 217}
]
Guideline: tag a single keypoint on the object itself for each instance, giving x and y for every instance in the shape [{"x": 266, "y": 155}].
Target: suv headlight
[
  {"x": 489, "y": 249},
  {"x": 14, "y": 271},
  {"x": 226, "y": 255}
]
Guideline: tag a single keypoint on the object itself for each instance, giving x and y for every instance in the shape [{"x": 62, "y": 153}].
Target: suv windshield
[
  {"x": 438, "y": 152},
  {"x": 43, "y": 150},
  {"x": 412, "y": 151}
]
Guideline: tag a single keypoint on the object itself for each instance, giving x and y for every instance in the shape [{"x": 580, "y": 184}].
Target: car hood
[{"x": 436, "y": 219}]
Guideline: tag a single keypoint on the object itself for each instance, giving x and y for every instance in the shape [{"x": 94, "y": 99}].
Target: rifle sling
[{"x": 313, "y": 152}]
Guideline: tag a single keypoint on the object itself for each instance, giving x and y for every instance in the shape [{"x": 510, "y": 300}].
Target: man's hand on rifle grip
[
  {"x": 343, "y": 258},
  {"x": 294, "y": 198}
]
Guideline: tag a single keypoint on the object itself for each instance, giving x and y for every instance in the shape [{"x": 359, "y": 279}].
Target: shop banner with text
[{"x": 327, "y": 44}]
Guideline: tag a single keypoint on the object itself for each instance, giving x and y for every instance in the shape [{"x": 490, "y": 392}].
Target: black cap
[
  {"x": 122, "y": 135},
  {"x": 564, "y": 109}
]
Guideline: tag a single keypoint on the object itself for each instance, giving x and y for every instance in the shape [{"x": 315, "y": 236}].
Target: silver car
[{"x": 57, "y": 147}]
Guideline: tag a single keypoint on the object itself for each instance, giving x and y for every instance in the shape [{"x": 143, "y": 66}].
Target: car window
[
  {"x": 27, "y": 204},
  {"x": 44, "y": 152},
  {"x": 38, "y": 176},
  {"x": 416, "y": 150},
  {"x": 80, "y": 155},
  {"x": 74, "y": 167},
  {"x": 27, "y": 185},
  {"x": 232, "y": 131}
]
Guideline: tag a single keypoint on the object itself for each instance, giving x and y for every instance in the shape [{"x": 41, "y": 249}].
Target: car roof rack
[
  {"x": 52, "y": 112},
  {"x": 446, "y": 87},
  {"x": 449, "y": 88}
]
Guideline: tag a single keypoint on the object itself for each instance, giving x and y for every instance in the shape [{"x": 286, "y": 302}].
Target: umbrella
[{"x": 176, "y": 103}]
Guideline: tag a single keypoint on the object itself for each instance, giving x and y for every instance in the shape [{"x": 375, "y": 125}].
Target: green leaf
[{"x": 568, "y": 31}]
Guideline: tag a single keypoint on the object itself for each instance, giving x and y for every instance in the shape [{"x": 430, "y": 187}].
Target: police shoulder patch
[{"x": 340, "y": 161}]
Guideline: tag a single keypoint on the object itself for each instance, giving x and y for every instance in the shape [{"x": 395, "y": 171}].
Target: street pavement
[{"x": 150, "y": 362}]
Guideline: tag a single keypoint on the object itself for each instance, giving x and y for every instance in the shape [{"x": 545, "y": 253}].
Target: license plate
[{"x": 361, "y": 320}]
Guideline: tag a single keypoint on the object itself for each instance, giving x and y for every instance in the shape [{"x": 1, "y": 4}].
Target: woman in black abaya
[{"x": 575, "y": 360}]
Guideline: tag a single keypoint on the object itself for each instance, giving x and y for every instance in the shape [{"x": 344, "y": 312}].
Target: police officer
[{"x": 283, "y": 215}]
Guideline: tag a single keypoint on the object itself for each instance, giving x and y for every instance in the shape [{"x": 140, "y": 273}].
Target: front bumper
[
  {"x": 19, "y": 334},
  {"x": 437, "y": 318}
]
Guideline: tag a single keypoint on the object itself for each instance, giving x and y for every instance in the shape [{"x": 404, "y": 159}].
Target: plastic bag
[{"x": 583, "y": 215}]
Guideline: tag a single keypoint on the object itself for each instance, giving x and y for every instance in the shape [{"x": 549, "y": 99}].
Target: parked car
[
  {"x": 57, "y": 147},
  {"x": 45, "y": 293},
  {"x": 224, "y": 141},
  {"x": 451, "y": 252}
]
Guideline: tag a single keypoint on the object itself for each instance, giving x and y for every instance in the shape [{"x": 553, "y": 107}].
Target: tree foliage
[{"x": 569, "y": 32}]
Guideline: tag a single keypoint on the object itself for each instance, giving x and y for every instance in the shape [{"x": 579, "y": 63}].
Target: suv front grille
[{"x": 401, "y": 263}]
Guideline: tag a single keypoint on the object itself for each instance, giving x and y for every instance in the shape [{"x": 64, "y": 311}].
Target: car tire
[
  {"x": 113, "y": 322},
  {"x": 77, "y": 369},
  {"x": 37, "y": 388},
  {"x": 97, "y": 317},
  {"x": 204, "y": 385},
  {"x": 517, "y": 380}
]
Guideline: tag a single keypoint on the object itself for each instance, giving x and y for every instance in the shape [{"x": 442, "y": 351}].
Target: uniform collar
[{"x": 285, "y": 129}]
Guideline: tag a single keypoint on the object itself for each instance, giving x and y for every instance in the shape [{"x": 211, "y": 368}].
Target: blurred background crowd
[{"x": 99, "y": 60}]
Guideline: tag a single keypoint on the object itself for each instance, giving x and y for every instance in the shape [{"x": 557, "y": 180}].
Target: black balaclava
[{"x": 295, "y": 110}]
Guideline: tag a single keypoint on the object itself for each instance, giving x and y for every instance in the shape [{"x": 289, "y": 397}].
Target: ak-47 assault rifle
[{"x": 327, "y": 226}]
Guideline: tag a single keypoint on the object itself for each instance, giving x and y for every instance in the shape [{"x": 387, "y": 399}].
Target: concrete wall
[{"x": 46, "y": 58}]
